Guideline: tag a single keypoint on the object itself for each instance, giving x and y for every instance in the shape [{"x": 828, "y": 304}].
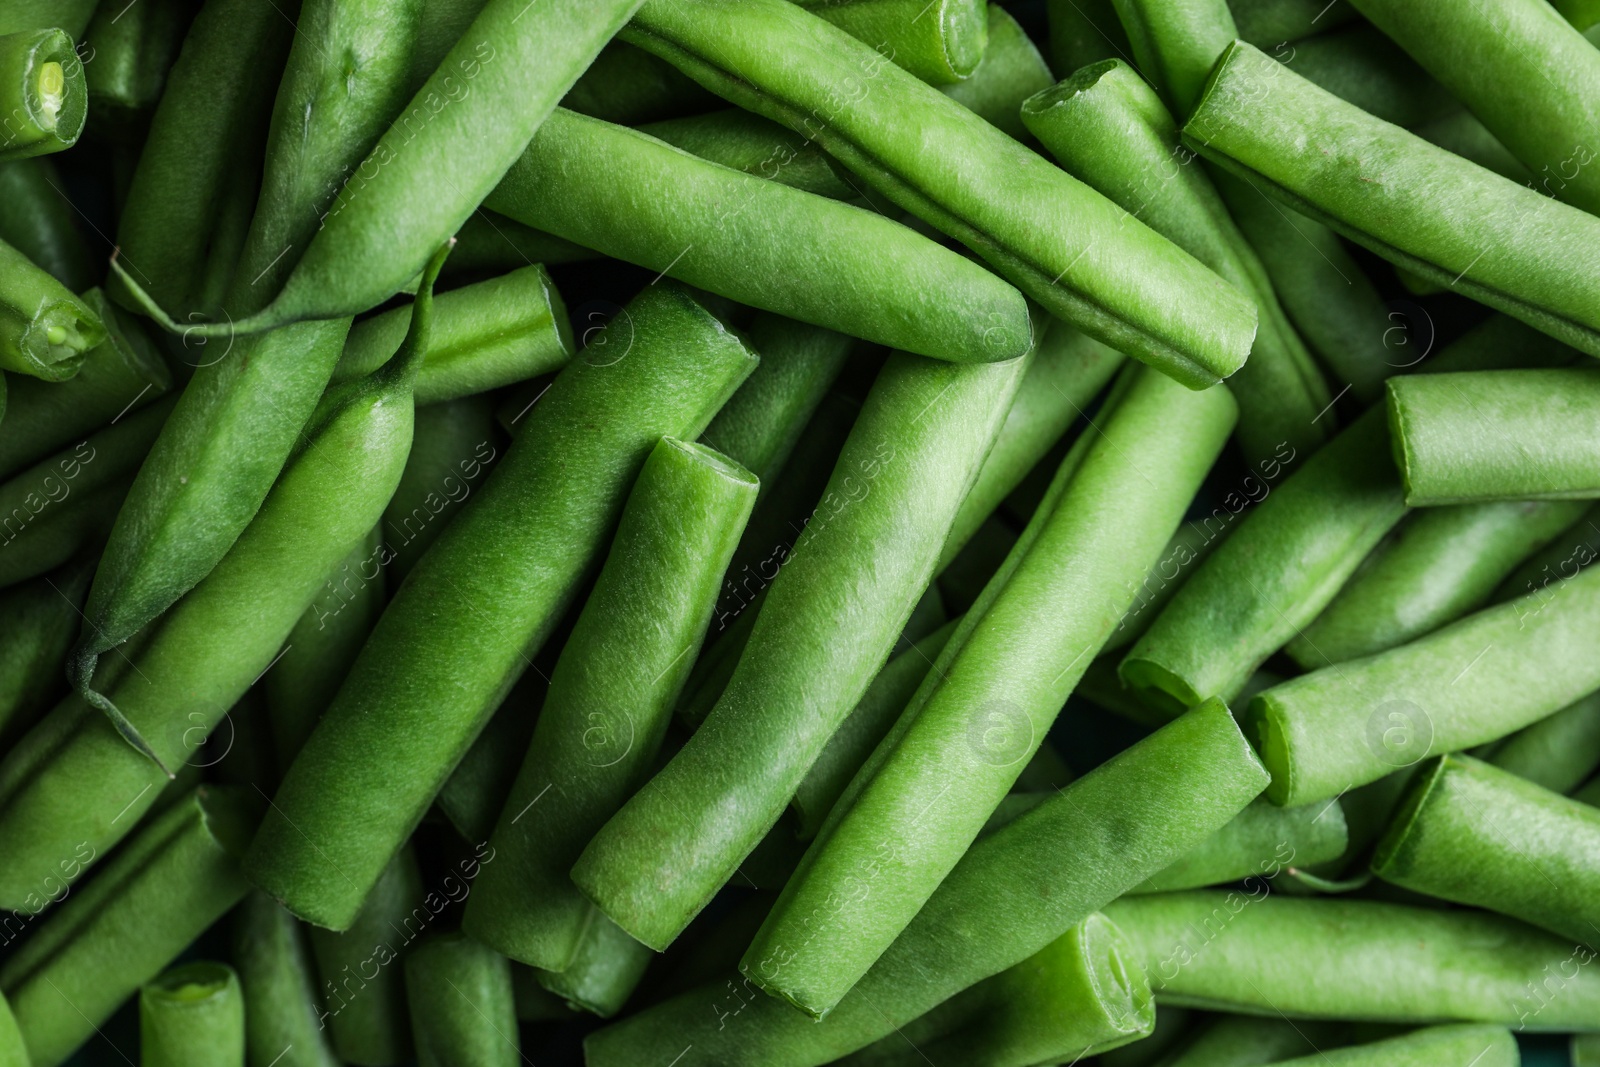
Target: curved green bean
[
  {"x": 1434, "y": 1046},
  {"x": 455, "y": 444},
  {"x": 988, "y": 915},
  {"x": 484, "y": 598},
  {"x": 1440, "y": 564},
  {"x": 462, "y": 1010},
  {"x": 37, "y": 219},
  {"x": 1259, "y": 842},
  {"x": 37, "y": 622},
  {"x": 1011, "y": 71},
  {"x": 43, "y": 92},
  {"x": 133, "y": 50},
  {"x": 1559, "y": 752},
  {"x": 1363, "y": 960},
  {"x": 192, "y": 1016},
  {"x": 1474, "y": 834},
  {"x": 996, "y": 687},
  {"x": 603, "y": 973},
  {"x": 610, "y": 698},
  {"x": 1443, "y": 218},
  {"x": 758, "y": 146},
  {"x": 175, "y": 878},
  {"x": 283, "y": 1015},
  {"x": 629, "y": 196},
  {"x": 1523, "y": 70},
  {"x": 1068, "y": 248},
  {"x": 910, "y": 458},
  {"x": 942, "y": 42},
  {"x": 45, "y": 330}
]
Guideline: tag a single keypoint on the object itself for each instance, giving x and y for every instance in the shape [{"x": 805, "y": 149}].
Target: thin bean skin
[
  {"x": 484, "y": 597},
  {"x": 175, "y": 878},
  {"x": 282, "y": 1010},
  {"x": 41, "y": 119},
  {"x": 1434, "y": 1046},
  {"x": 1489, "y": 238},
  {"x": 1540, "y": 99},
  {"x": 1011, "y": 71},
  {"x": 604, "y": 972},
  {"x": 1559, "y": 752},
  {"x": 736, "y": 138},
  {"x": 749, "y": 239},
  {"x": 942, "y": 43},
  {"x": 45, "y": 329},
  {"x": 192, "y": 1016},
  {"x": 1441, "y": 564},
  {"x": 1474, "y": 834},
  {"x": 1072, "y": 251},
  {"x": 1362, "y": 960},
  {"x": 37, "y": 220},
  {"x": 829, "y": 621},
  {"x": 610, "y": 698},
  {"x": 994, "y": 691},
  {"x": 1260, "y": 841},
  {"x": 1503, "y": 435},
  {"x": 462, "y": 1010}
]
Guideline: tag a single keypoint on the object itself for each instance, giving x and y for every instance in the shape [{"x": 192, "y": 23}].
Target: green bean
[
  {"x": 454, "y": 446},
  {"x": 44, "y": 329},
  {"x": 115, "y": 375},
  {"x": 1190, "y": 546},
  {"x": 1474, "y": 834},
  {"x": 637, "y": 199},
  {"x": 1489, "y": 239},
  {"x": 1069, "y": 249},
  {"x": 484, "y": 598},
  {"x": 1250, "y": 1041},
  {"x": 44, "y": 93},
  {"x": 1171, "y": 1026},
  {"x": 471, "y": 798},
  {"x": 1265, "y": 23},
  {"x": 1558, "y": 752},
  {"x": 1439, "y": 564},
  {"x": 1543, "y": 109},
  {"x": 962, "y": 740},
  {"x": 1260, "y": 842},
  {"x": 133, "y": 49},
  {"x": 628, "y": 85},
  {"x": 177, "y": 877},
  {"x": 610, "y": 698},
  {"x": 462, "y": 1011},
  {"x": 488, "y": 243},
  {"x": 1069, "y": 370},
  {"x": 1572, "y": 550},
  {"x": 56, "y": 507},
  {"x": 70, "y": 15},
  {"x": 1501, "y": 435},
  {"x": 534, "y": 1002},
  {"x": 1011, "y": 71},
  {"x": 755, "y": 145},
  {"x": 37, "y": 623},
  {"x": 1339, "y": 958},
  {"x": 283, "y": 1014},
  {"x": 910, "y": 458},
  {"x": 988, "y": 914},
  {"x": 192, "y": 1016},
  {"x": 1106, "y": 126},
  {"x": 1060, "y": 1002},
  {"x": 1175, "y": 44},
  {"x": 37, "y": 219},
  {"x": 1362, "y": 66},
  {"x": 942, "y": 43},
  {"x": 13, "y": 1049},
  {"x": 1461, "y": 132},
  {"x": 366, "y": 1013},
  {"x": 1084, "y": 32},
  {"x": 1433, "y": 1046},
  {"x": 867, "y": 724},
  {"x": 603, "y": 973}
]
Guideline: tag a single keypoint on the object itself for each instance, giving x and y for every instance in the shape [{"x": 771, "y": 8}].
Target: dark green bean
[
  {"x": 454, "y": 446},
  {"x": 192, "y": 1016},
  {"x": 1260, "y": 842},
  {"x": 13, "y": 1049},
  {"x": 628, "y": 85},
  {"x": 1011, "y": 71},
  {"x": 37, "y": 219},
  {"x": 471, "y": 798},
  {"x": 1488, "y": 1046},
  {"x": 44, "y": 329},
  {"x": 133, "y": 48},
  {"x": 941, "y": 42},
  {"x": 1558, "y": 753},
  {"x": 284, "y": 1019},
  {"x": 462, "y": 1010},
  {"x": 1175, "y": 44},
  {"x": 738, "y": 139},
  {"x": 1251, "y": 1041},
  {"x": 490, "y": 243},
  {"x": 1084, "y": 32},
  {"x": 603, "y": 973},
  {"x": 43, "y": 92},
  {"x": 1572, "y": 550},
  {"x": 37, "y": 623},
  {"x": 1265, "y": 23}
]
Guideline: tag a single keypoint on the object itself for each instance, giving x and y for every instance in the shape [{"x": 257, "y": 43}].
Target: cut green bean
[
  {"x": 192, "y": 1016},
  {"x": 1171, "y": 1026},
  {"x": 1176, "y": 43},
  {"x": 610, "y": 699},
  {"x": 1106, "y": 126},
  {"x": 1265, "y": 23},
  {"x": 462, "y": 1010},
  {"x": 1475, "y": 834},
  {"x": 1496, "y": 435},
  {"x": 1338, "y": 958},
  {"x": 1011, "y": 71},
  {"x": 484, "y": 598},
  {"x": 176, "y": 877},
  {"x": 1434, "y": 1046},
  {"x": 1069, "y": 248},
  {"x": 37, "y": 219},
  {"x": 940, "y": 42},
  {"x": 37, "y": 623},
  {"x": 1072, "y": 998},
  {"x": 44, "y": 329},
  {"x": 1084, "y": 32},
  {"x": 910, "y": 458},
  {"x": 603, "y": 973},
  {"x": 965, "y": 736},
  {"x": 282, "y": 1011},
  {"x": 635, "y": 198},
  {"x": 1364, "y": 67},
  {"x": 1541, "y": 99},
  {"x": 755, "y": 145},
  {"x": 1259, "y": 843},
  {"x": 1490, "y": 239},
  {"x": 1559, "y": 752},
  {"x": 43, "y": 92},
  {"x": 454, "y": 446},
  {"x": 133, "y": 49},
  {"x": 988, "y": 914},
  {"x": 628, "y": 85},
  {"x": 1440, "y": 564}
]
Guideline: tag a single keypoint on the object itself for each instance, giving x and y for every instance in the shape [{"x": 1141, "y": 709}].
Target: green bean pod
[
  {"x": 1190, "y": 546},
  {"x": 637, "y": 199},
  {"x": 1341, "y": 958},
  {"x": 1523, "y": 70},
  {"x": 758, "y": 146},
  {"x": 1439, "y": 216},
  {"x": 1440, "y": 564},
  {"x": 462, "y": 1010},
  {"x": 1362, "y": 66},
  {"x": 37, "y": 621},
  {"x": 958, "y": 747},
  {"x": 910, "y": 458},
  {"x": 1084, "y": 32},
  {"x": 133, "y": 50},
  {"x": 1070, "y": 249},
  {"x": 988, "y": 914},
  {"x": 1251, "y": 1041},
  {"x": 13, "y": 1049},
  {"x": 1259, "y": 843},
  {"x": 484, "y": 598},
  {"x": 1559, "y": 752},
  {"x": 1066, "y": 1000},
  {"x": 454, "y": 446},
  {"x": 1572, "y": 550},
  {"x": 603, "y": 973},
  {"x": 1176, "y": 43},
  {"x": 70, "y": 15},
  {"x": 628, "y": 85},
  {"x": 1433, "y": 1046},
  {"x": 1069, "y": 370},
  {"x": 366, "y": 1012},
  {"x": 1106, "y": 126},
  {"x": 192, "y": 1016},
  {"x": 1011, "y": 71},
  {"x": 1459, "y": 131},
  {"x": 1474, "y": 834},
  {"x": 282, "y": 1011},
  {"x": 1265, "y": 23},
  {"x": 37, "y": 219},
  {"x": 942, "y": 43},
  {"x": 176, "y": 877},
  {"x": 610, "y": 698},
  {"x": 43, "y": 92},
  {"x": 119, "y": 374},
  {"x": 1496, "y": 435},
  {"x": 45, "y": 330}
]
